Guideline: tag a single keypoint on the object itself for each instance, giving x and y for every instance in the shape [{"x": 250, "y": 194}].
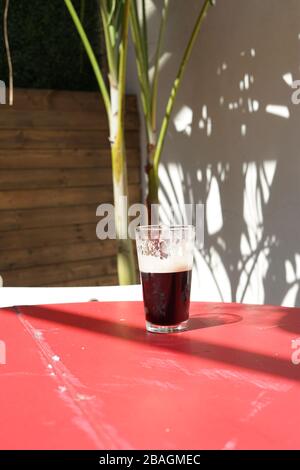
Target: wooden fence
[{"x": 55, "y": 169}]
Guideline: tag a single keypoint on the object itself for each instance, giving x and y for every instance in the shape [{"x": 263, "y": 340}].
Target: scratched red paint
[{"x": 87, "y": 376}]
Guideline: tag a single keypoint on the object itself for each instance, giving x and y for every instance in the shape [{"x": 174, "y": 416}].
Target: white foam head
[
  {"x": 165, "y": 250},
  {"x": 176, "y": 263}
]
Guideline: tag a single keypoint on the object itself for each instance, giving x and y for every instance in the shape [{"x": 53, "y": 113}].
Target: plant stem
[
  {"x": 145, "y": 32},
  {"x": 112, "y": 65},
  {"x": 153, "y": 182},
  {"x": 7, "y": 49},
  {"x": 142, "y": 65},
  {"x": 125, "y": 258},
  {"x": 114, "y": 103},
  {"x": 122, "y": 64},
  {"x": 150, "y": 120},
  {"x": 91, "y": 55},
  {"x": 156, "y": 67},
  {"x": 153, "y": 185},
  {"x": 82, "y": 11},
  {"x": 176, "y": 84}
]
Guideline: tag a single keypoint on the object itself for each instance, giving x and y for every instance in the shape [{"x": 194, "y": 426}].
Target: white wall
[{"x": 230, "y": 150}]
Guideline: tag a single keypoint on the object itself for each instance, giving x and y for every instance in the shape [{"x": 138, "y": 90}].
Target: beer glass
[{"x": 165, "y": 256}]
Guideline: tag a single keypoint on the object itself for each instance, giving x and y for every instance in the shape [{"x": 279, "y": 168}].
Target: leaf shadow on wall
[{"x": 233, "y": 145}]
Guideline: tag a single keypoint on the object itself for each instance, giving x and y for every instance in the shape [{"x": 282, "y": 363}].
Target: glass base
[{"x": 166, "y": 328}]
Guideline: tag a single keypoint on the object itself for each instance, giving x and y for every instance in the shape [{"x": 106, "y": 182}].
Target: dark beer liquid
[{"x": 166, "y": 297}]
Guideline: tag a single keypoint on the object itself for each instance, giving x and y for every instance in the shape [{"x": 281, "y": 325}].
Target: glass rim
[{"x": 160, "y": 227}]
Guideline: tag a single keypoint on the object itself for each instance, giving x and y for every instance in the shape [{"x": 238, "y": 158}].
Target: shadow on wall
[{"x": 234, "y": 145}]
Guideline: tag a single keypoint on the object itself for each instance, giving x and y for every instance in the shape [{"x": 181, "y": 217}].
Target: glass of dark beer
[{"x": 165, "y": 255}]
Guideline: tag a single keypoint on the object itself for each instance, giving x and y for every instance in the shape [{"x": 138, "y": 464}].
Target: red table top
[{"x": 88, "y": 376}]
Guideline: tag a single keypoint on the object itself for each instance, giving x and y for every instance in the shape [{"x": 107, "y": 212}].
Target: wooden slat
[
  {"x": 55, "y": 169},
  {"x": 34, "y": 100},
  {"x": 62, "y": 120},
  {"x": 60, "y": 178},
  {"x": 21, "y": 258},
  {"x": 61, "y": 158},
  {"x": 66, "y": 139},
  {"x": 23, "y": 199},
  {"x": 47, "y": 217},
  {"x": 53, "y": 197},
  {"x": 109, "y": 280},
  {"x": 57, "y": 273},
  {"x": 48, "y": 236},
  {"x": 51, "y": 236}
]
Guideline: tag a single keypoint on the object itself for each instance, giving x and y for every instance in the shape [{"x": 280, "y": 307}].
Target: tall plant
[
  {"x": 149, "y": 88},
  {"x": 8, "y": 54},
  {"x": 115, "y": 20}
]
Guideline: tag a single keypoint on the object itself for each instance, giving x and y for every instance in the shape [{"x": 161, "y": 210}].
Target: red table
[{"x": 88, "y": 376}]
